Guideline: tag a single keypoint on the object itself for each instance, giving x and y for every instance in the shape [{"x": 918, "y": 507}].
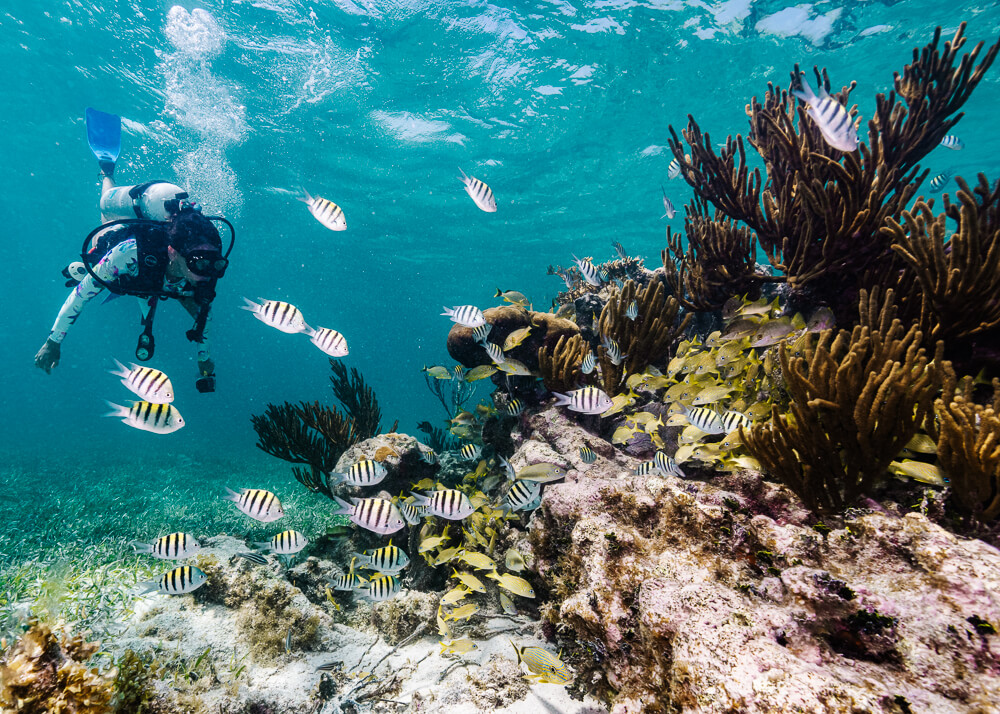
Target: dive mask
[{"x": 207, "y": 264}]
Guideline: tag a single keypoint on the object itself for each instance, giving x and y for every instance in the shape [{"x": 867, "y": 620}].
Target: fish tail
[
  {"x": 117, "y": 410},
  {"x": 141, "y": 547},
  {"x": 250, "y": 305},
  {"x": 804, "y": 92},
  {"x": 343, "y": 507},
  {"x": 421, "y": 499},
  {"x": 334, "y": 478},
  {"x": 231, "y": 495},
  {"x": 562, "y": 399},
  {"x": 262, "y": 546},
  {"x": 463, "y": 178},
  {"x": 146, "y": 587},
  {"x": 122, "y": 370},
  {"x": 447, "y": 311},
  {"x": 308, "y": 198},
  {"x": 517, "y": 650},
  {"x": 499, "y": 293}
]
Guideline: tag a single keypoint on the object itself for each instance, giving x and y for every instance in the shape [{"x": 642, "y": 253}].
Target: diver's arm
[
  {"x": 120, "y": 260},
  {"x": 206, "y": 367}
]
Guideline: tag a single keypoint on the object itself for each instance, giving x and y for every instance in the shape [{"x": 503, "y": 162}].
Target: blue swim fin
[{"x": 104, "y": 134}]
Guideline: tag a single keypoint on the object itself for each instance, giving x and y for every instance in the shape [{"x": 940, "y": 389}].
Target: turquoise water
[{"x": 561, "y": 107}]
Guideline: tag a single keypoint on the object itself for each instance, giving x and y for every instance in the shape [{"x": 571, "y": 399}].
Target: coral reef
[
  {"x": 818, "y": 217},
  {"x": 560, "y": 366},
  {"x": 856, "y": 400},
  {"x": 398, "y": 618},
  {"x": 644, "y": 340},
  {"x": 316, "y": 435},
  {"x": 676, "y": 596},
  {"x": 45, "y": 674},
  {"x": 968, "y": 447},
  {"x": 546, "y": 329}
]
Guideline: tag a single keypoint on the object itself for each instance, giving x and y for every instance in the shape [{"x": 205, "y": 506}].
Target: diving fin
[{"x": 104, "y": 134}]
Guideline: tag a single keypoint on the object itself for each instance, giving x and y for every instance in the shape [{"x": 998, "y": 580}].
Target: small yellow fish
[
  {"x": 922, "y": 444},
  {"x": 476, "y": 537},
  {"x": 514, "y": 560},
  {"x": 711, "y": 395},
  {"x": 514, "y": 368},
  {"x": 759, "y": 411},
  {"x": 438, "y": 372},
  {"x": 515, "y": 338},
  {"x": 919, "y": 471},
  {"x": 446, "y": 556},
  {"x": 679, "y": 392},
  {"x": 455, "y": 595},
  {"x": 542, "y": 663},
  {"x": 732, "y": 441},
  {"x": 469, "y": 580},
  {"x": 744, "y": 462},
  {"x": 507, "y": 604},
  {"x": 513, "y": 583},
  {"x": 477, "y": 560},
  {"x": 458, "y": 646},
  {"x": 623, "y": 434},
  {"x": 481, "y": 372},
  {"x": 757, "y": 307},
  {"x": 478, "y": 499},
  {"x": 690, "y": 435},
  {"x": 429, "y": 544},
  {"x": 618, "y": 403},
  {"x": 444, "y": 629},
  {"x": 463, "y": 613}
]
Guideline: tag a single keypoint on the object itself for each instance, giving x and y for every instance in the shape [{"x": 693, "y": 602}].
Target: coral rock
[{"x": 546, "y": 329}]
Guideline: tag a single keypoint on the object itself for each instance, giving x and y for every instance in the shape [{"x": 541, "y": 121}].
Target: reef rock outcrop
[
  {"x": 546, "y": 329},
  {"x": 676, "y": 595}
]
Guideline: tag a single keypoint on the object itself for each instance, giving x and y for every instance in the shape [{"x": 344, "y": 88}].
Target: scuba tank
[{"x": 152, "y": 201}]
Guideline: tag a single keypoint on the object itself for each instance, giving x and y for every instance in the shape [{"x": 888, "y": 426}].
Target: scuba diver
[{"x": 153, "y": 244}]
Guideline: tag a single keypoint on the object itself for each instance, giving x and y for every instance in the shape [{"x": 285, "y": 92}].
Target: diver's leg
[{"x": 107, "y": 183}]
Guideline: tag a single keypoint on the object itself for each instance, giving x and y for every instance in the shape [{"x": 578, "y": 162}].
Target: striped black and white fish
[
  {"x": 514, "y": 407},
  {"x": 411, "y": 514},
  {"x": 470, "y": 452},
  {"x": 668, "y": 207},
  {"x": 279, "y": 315},
  {"x": 329, "y": 341},
  {"x": 257, "y": 503},
  {"x": 480, "y": 333},
  {"x": 507, "y": 468},
  {"x": 588, "y": 400},
  {"x": 285, "y": 543},
  {"x": 952, "y": 142},
  {"x": 328, "y": 213},
  {"x": 646, "y": 468},
  {"x": 427, "y": 455},
  {"x": 941, "y": 180},
  {"x": 522, "y": 493},
  {"x": 178, "y": 581},
  {"x": 495, "y": 352},
  {"x": 620, "y": 250},
  {"x": 587, "y": 455},
  {"x": 479, "y": 192},
  {"x": 832, "y": 119},
  {"x": 155, "y": 418},
  {"x": 253, "y": 558},
  {"x": 390, "y": 559},
  {"x": 613, "y": 350},
  {"x": 732, "y": 420},
  {"x": 363, "y": 473},
  {"x": 632, "y": 311},
  {"x": 170, "y": 547},
  {"x": 465, "y": 315},
  {"x": 666, "y": 465},
  {"x": 380, "y": 588},
  {"x": 150, "y": 385},
  {"x": 588, "y": 363},
  {"x": 375, "y": 514},
  {"x": 348, "y": 581},
  {"x": 705, "y": 419},
  {"x": 588, "y": 271},
  {"x": 446, "y": 503},
  {"x": 674, "y": 169}
]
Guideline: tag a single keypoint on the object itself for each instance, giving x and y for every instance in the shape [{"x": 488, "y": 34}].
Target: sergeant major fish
[
  {"x": 178, "y": 581},
  {"x": 170, "y": 547},
  {"x": 446, "y": 503},
  {"x": 375, "y": 514},
  {"x": 150, "y": 385},
  {"x": 257, "y": 503},
  {"x": 280, "y": 315},
  {"x": 328, "y": 213},
  {"x": 588, "y": 400},
  {"x": 285, "y": 543},
  {"x": 831, "y": 118},
  {"x": 329, "y": 341},
  {"x": 154, "y": 418},
  {"x": 465, "y": 315},
  {"x": 952, "y": 142},
  {"x": 479, "y": 192},
  {"x": 364, "y": 473},
  {"x": 588, "y": 271},
  {"x": 389, "y": 559},
  {"x": 668, "y": 207},
  {"x": 939, "y": 181}
]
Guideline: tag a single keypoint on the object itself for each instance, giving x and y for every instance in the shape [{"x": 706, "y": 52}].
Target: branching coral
[
  {"x": 43, "y": 674},
  {"x": 957, "y": 271},
  {"x": 644, "y": 340},
  {"x": 819, "y": 215},
  {"x": 857, "y": 399},
  {"x": 316, "y": 435},
  {"x": 560, "y": 368},
  {"x": 968, "y": 447},
  {"x": 712, "y": 260}
]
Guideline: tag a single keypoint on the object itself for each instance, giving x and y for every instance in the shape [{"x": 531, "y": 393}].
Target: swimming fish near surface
[
  {"x": 952, "y": 142},
  {"x": 362, "y": 473},
  {"x": 375, "y": 514},
  {"x": 178, "y": 581},
  {"x": 479, "y": 192},
  {"x": 329, "y": 341},
  {"x": 446, "y": 503},
  {"x": 280, "y": 315},
  {"x": 150, "y": 385},
  {"x": 674, "y": 169},
  {"x": 170, "y": 547},
  {"x": 328, "y": 213},
  {"x": 465, "y": 315},
  {"x": 257, "y": 503},
  {"x": 831, "y": 118},
  {"x": 154, "y": 418},
  {"x": 588, "y": 400},
  {"x": 285, "y": 543}
]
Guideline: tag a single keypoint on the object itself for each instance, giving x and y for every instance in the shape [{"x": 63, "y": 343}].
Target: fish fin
[
  {"x": 263, "y": 546},
  {"x": 250, "y": 305},
  {"x": 308, "y": 198},
  {"x": 343, "y": 507},
  {"x": 122, "y": 370},
  {"x": 562, "y": 399},
  {"x": 231, "y": 495},
  {"x": 142, "y": 547},
  {"x": 421, "y": 499},
  {"x": 463, "y": 178},
  {"x": 805, "y": 92},
  {"x": 146, "y": 587},
  {"x": 118, "y": 410}
]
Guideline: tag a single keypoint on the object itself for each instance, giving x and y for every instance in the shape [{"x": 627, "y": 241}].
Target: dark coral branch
[
  {"x": 560, "y": 368},
  {"x": 358, "y": 399}
]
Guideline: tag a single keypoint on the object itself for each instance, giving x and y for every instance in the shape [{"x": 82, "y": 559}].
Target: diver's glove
[{"x": 206, "y": 383}]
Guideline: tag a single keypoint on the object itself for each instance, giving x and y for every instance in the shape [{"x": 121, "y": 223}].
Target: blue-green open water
[{"x": 562, "y": 107}]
